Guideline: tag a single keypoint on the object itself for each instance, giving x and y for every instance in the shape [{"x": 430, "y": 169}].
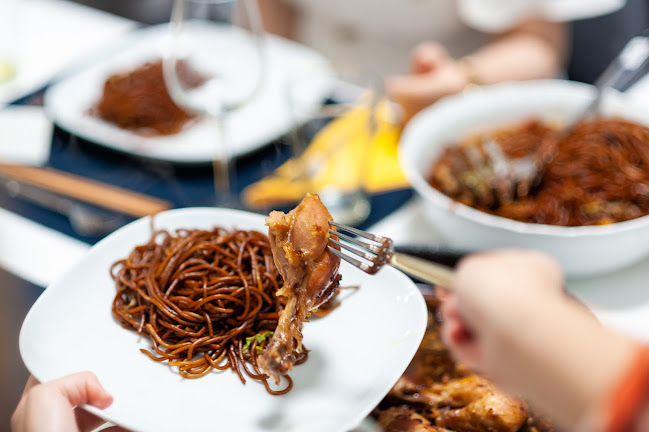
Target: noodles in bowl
[
  {"x": 597, "y": 173},
  {"x": 582, "y": 250}
]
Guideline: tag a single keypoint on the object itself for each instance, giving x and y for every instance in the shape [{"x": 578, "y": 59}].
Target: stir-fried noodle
[
  {"x": 598, "y": 174},
  {"x": 205, "y": 298}
]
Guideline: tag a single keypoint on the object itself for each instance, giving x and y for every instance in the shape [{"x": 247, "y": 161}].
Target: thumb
[
  {"x": 82, "y": 388},
  {"x": 458, "y": 337}
]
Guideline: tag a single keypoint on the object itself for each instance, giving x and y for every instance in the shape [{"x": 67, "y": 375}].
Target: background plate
[
  {"x": 357, "y": 352},
  {"x": 260, "y": 121}
]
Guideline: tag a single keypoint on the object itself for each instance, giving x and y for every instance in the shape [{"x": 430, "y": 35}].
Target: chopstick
[{"x": 86, "y": 190}]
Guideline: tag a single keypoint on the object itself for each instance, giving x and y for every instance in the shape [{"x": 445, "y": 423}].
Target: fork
[
  {"x": 371, "y": 252},
  {"x": 508, "y": 178}
]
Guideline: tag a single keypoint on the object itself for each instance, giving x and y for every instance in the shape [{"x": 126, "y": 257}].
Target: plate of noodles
[
  {"x": 104, "y": 102},
  {"x": 356, "y": 351}
]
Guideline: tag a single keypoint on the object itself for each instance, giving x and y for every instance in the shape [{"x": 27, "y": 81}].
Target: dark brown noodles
[
  {"x": 138, "y": 100},
  {"x": 599, "y": 173},
  {"x": 205, "y": 298}
]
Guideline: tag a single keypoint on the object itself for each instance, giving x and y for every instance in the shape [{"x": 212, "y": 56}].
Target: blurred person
[
  {"x": 54, "y": 405},
  {"x": 510, "y": 319},
  {"x": 430, "y": 49}
]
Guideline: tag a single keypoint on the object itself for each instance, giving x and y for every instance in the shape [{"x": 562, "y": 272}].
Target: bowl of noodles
[{"x": 587, "y": 207}]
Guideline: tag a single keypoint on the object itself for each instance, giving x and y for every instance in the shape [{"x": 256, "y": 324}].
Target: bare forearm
[
  {"x": 533, "y": 50},
  {"x": 572, "y": 362}
]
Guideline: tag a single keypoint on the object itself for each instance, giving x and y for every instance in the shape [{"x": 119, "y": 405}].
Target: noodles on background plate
[{"x": 138, "y": 100}]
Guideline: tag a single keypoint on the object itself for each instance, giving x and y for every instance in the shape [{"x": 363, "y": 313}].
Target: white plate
[
  {"x": 356, "y": 353},
  {"x": 265, "y": 118}
]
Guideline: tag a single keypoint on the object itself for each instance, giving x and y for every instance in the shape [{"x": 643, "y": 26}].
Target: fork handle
[
  {"x": 621, "y": 72},
  {"x": 443, "y": 255},
  {"x": 427, "y": 271}
]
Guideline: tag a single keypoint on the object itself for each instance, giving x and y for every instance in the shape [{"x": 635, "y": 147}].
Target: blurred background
[
  {"x": 595, "y": 41},
  {"x": 144, "y": 11}
]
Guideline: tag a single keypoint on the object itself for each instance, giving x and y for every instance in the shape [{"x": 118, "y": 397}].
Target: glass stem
[{"x": 222, "y": 166}]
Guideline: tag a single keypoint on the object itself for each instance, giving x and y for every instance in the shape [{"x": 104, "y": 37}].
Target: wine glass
[
  {"x": 336, "y": 109},
  {"x": 214, "y": 65}
]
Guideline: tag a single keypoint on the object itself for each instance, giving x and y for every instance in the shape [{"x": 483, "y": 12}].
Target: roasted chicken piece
[
  {"x": 475, "y": 404},
  {"x": 467, "y": 404},
  {"x": 310, "y": 271},
  {"x": 402, "y": 419}
]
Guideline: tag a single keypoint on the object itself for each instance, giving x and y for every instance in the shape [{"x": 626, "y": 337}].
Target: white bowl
[{"x": 582, "y": 251}]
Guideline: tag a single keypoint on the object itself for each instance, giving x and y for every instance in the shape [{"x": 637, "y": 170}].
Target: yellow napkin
[{"x": 339, "y": 156}]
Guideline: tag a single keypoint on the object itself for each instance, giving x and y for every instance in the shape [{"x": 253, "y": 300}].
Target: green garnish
[{"x": 259, "y": 337}]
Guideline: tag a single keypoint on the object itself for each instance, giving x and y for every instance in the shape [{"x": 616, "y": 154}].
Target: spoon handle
[{"x": 622, "y": 71}]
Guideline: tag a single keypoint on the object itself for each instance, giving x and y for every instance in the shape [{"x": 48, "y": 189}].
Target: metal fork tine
[
  {"x": 358, "y": 252},
  {"x": 354, "y": 240},
  {"x": 353, "y": 261},
  {"x": 375, "y": 257},
  {"x": 358, "y": 232}
]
